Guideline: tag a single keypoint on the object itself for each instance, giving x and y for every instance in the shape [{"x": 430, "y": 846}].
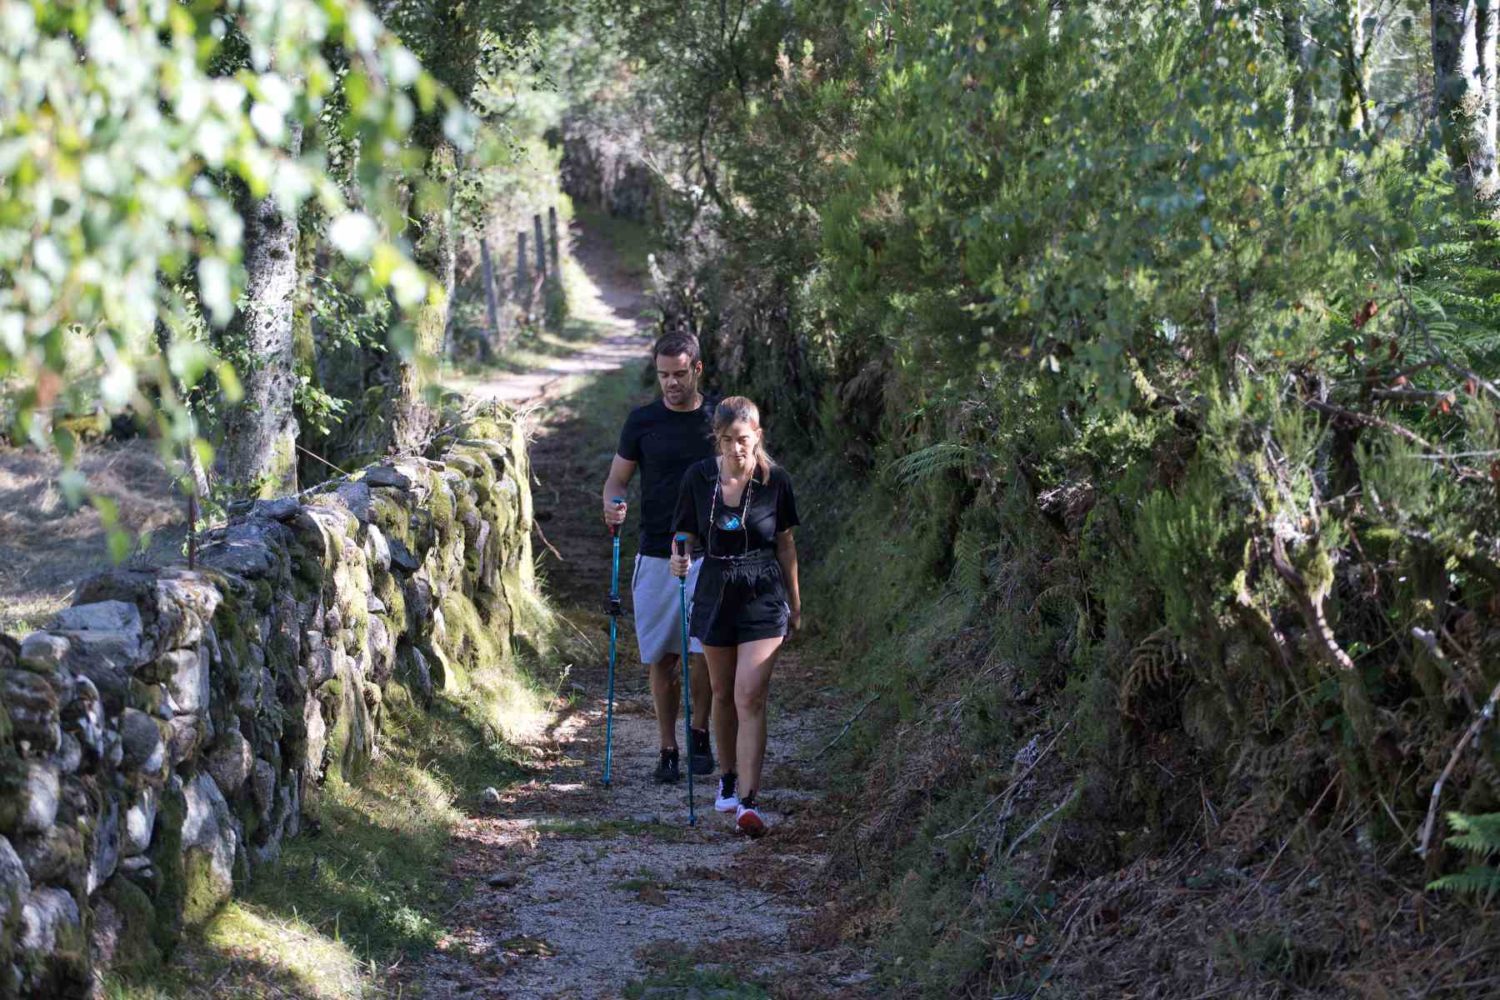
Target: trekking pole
[
  {"x": 687, "y": 684},
  {"x": 614, "y": 625}
]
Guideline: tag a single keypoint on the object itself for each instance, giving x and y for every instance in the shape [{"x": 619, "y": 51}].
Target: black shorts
[{"x": 741, "y": 599}]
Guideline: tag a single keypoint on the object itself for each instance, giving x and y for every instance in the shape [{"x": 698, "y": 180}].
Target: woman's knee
[{"x": 749, "y": 701}]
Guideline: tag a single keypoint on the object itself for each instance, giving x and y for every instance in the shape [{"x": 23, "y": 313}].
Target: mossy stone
[{"x": 138, "y": 948}]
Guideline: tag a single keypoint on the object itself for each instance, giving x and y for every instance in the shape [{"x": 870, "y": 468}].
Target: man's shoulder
[{"x": 644, "y": 413}]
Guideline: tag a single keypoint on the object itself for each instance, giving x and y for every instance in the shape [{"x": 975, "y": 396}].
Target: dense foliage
[
  {"x": 124, "y": 137},
  {"x": 1169, "y": 336}
]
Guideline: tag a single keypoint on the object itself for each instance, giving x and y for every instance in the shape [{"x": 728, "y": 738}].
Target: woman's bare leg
[
  {"x": 721, "y": 663},
  {"x": 752, "y": 682}
]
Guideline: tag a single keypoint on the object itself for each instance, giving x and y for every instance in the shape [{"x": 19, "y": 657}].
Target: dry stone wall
[{"x": 167, "y": 733}]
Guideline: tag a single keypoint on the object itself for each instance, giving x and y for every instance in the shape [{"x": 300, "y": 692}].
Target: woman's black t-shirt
[{"x": 771, "y": 509}]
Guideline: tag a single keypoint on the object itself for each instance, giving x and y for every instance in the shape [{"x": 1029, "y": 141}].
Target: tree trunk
[
  {"x": 1354, "y": 68},
  {"x": 259, "y": 456},
  {"x": 1297, "y": 47},
  {"x": 412, "y": 419},
  {"x": 1463, "y": 58}
]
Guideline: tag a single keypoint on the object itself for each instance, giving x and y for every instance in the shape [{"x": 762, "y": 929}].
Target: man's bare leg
[{"x": 666, "y": 696}]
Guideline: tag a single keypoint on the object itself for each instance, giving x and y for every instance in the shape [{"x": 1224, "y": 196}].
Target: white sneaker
[
  {"x": 727, "y": 802},
  {"x": 747, "y": 820}
]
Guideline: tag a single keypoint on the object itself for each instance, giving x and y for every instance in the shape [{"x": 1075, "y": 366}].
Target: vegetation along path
[{"x": 587, "y": 891}]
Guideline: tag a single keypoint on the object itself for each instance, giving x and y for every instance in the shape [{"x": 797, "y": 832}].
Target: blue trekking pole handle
[
  {"x": 614, "y": 624},
  {"x": 687, "y": 683}
]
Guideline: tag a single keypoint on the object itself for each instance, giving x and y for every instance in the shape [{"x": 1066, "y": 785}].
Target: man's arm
[{"x": 621, "y": 470}]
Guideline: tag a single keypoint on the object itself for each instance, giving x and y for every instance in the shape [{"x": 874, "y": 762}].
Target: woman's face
[{"x": 738, "y": 441}]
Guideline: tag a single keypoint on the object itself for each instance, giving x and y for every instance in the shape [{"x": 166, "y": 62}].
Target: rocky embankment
[{"x": 164, "y": 735}]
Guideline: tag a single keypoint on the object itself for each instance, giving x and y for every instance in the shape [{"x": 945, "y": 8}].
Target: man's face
[{"x": 678, "y": 378}]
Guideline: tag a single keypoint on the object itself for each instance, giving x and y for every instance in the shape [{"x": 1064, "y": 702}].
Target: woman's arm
[{"x": 786, "y": 555}]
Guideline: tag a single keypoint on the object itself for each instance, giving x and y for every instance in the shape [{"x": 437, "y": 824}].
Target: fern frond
[
  {"x": 927, "y": 463},
  {"x": 1473, "y": 881},
  {"x": 1479, "y": 834}
]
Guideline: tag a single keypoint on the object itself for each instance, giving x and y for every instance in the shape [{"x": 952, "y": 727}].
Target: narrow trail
[{"x": 578, "y": 890}]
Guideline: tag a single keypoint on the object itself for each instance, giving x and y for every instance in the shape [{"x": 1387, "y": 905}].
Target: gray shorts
[{"x": 658, "y": 608}]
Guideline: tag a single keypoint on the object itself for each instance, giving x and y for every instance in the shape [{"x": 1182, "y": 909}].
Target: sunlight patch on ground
[{"x": 322, "y": 966}]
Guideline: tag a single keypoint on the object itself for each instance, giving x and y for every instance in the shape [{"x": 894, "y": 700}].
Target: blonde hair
[{"x": 732, "y": 409}]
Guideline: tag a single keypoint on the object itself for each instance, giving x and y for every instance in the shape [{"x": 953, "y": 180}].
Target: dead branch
[
  {"x": 845, "y": 731},
  {"x": 1485, "y": 714},
  {"x": 1010, "y": 787},
  {"x": 1312, "y": 608},
  {"x": 1033, "y": 828}
]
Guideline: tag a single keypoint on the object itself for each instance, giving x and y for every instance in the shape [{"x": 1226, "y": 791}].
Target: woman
[{"x": 746, "y": 602}]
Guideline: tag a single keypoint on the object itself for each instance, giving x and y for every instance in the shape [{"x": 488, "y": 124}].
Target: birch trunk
[
  {"x": 1463, "y": 58},
  {"x": 259, "y": 454},
  {"x": 412, "y": 419}
]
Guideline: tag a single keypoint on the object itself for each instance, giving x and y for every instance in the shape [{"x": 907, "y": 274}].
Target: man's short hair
[{"x": 673, "y": 344}]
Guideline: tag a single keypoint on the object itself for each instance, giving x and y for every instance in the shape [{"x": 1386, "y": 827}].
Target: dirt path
[{"x": 578, "y": 890}]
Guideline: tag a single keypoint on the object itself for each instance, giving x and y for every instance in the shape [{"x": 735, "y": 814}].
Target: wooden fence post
[
  {"x": 552, "y": 245},
  {"x": 523, "y": 275},
  {"x": 490, "y": 301}
]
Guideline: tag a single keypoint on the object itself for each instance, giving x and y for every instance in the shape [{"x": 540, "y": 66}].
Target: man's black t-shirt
[
  {"x": 769, "y": 509},
  {"x": 664, "y": 443}
]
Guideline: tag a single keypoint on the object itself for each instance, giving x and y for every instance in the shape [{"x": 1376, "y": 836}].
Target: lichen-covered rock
[
  {"x": 384, "y": 475},
  {"x": 43, "y": 652},
  {"x": 210, "y": 838},
  {"x": 31, "y": 703},
  {"x": 40, "y": 791},
  {"x": 356, "y": 498},
  {"x": 230, "y": 762},
  {"x": 106, "y": 642},
  {"x": 263, "y": 788},
  {"x": 138, "y": 822},
  {"x": 129, "y": 933},
  {"x": 185, "y": 674},
  {"x": 15, "y": 889},
  {"x": 48, "y": 919},
  {"x": 83, "y": 718},
  {"x": 55, "y": 960},
  {"x": 185, "y": 734},
  {"x": 140, "y": 738},
  {"x": 106, "y": 835},
  {"x": 53, "y": 854},
  {"x": 69, "y": 755}
]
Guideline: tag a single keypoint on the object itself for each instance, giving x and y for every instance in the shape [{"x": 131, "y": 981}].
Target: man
[{"x": 663, "y": 439}]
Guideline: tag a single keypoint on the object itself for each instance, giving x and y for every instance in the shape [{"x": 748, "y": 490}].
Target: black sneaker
[
  {"x": 701, "y": 757},
  {"x": 667, "y": 771}
]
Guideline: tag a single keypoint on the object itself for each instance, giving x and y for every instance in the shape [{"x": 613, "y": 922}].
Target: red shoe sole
[{"x": 751, "y": 825}]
